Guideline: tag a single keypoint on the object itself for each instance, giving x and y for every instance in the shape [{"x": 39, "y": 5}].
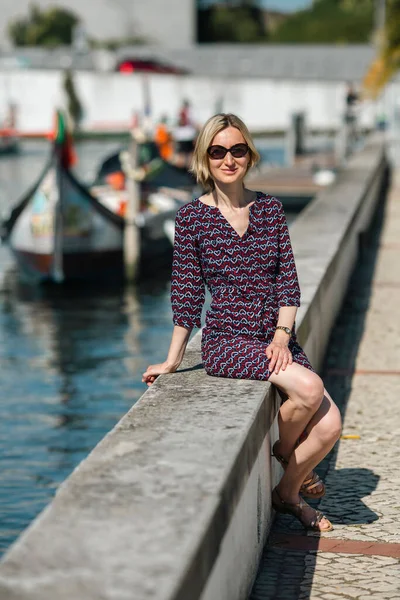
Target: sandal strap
[
  {"x": 311, "y": 482},
  {"x": 297, "y": 511},
  {"x": 317, "y": 520},
  {"x": 284, "y": 462}
]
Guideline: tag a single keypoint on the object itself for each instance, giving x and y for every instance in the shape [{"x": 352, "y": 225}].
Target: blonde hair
[{"x": 199, "y": 164}]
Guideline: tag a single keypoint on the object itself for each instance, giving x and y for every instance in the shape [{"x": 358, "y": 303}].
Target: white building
[{"x": 265, "y": 84}]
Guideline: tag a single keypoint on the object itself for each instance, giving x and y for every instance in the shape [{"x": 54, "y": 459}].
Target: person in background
[
  {"x": 352, "y": 102},
  {"x": 185, "y": 114},
  {"x": 236, "y": 242},
  {"x": 185, "y": 132},
  {"x": 164, "y": 140}
]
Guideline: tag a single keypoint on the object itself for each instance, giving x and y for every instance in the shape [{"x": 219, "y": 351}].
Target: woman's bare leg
[
  {"x": 320, "y": 419},
  {"x": 305, "y": 392},
  {"x": 323, "y": 432}
]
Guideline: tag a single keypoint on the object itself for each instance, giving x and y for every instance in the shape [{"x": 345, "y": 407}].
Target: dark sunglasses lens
[
  {"x": 216, "y": 152},
  {"x": 239, "y": 150}
]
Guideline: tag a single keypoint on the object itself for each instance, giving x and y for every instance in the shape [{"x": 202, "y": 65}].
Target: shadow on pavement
[
  {"x": 282, "y": 570},
  {"x": 347, "y": 488}
]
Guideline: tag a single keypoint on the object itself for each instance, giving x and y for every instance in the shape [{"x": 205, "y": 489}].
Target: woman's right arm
[
  {"x": 180, "y": 337},
  {"x": 187, "y": 294}
]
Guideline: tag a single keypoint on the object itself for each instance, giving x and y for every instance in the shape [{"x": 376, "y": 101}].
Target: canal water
[{"x": 70, "y": 359}]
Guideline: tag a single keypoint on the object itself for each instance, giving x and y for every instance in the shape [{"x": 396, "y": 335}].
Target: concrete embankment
[{"x": 174, "y": 503}]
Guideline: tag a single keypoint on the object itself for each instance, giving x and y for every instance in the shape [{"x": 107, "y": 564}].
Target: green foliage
[
  {"x": 329, "y": 21},
  {"x": 393, "y": 27},
  {"x": 115, "y": 43},
  {"x": 52, "y": 27},
  {"x": 326, "y": 21},
  {"x": 222, "y": 23}
]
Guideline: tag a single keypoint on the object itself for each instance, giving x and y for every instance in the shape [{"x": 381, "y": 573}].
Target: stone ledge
[{"x": 153, "y": 511}]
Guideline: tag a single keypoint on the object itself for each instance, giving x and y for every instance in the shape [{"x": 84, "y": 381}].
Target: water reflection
[{"x": 70, "y": 365}]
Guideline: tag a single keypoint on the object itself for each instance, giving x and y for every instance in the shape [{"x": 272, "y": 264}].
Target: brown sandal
[
  {"x": 297, "y": 511},
  {"x": 308, "y": 484}
]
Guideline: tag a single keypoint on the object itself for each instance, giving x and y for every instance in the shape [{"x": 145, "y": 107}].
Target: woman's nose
[{"x": 229, "y": 160}]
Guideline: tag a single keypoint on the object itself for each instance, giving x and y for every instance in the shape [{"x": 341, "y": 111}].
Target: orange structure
[{"x": 164, "y": 141}]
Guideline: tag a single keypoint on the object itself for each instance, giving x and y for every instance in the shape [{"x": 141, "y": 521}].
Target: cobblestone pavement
[{"x": 362, "y": 373}]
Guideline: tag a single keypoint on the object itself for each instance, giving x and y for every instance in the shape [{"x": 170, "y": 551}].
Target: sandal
[
  {"x": 308, "y": 484},
  {"x": 297, "y": 511}
]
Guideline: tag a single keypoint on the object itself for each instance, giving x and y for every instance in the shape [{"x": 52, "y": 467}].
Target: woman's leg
[
  {"x": 305, "y": 392},
  {"x": 324, "y": 426},
  {"x": 303, "y": 411},
  {"x": 323, "y": 432}
]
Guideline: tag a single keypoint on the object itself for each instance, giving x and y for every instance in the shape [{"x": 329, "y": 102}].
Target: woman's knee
[
  {"x": 329, "y": 427},
  {"x": 310, "y": 391}
]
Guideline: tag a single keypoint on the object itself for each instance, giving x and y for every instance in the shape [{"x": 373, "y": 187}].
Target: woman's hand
[
  {"x": 279, "y": 355},
  {"x": 153, "y": 371}
]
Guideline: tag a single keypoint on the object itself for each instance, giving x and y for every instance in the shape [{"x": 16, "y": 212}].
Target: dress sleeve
[
  {"x": 187, "y": 284},
  {"x": 287, "y": 283}
]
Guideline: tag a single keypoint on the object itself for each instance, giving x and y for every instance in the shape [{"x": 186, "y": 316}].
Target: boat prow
[{"x": 60, "y": 232}]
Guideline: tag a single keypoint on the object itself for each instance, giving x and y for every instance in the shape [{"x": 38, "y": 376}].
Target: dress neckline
[{"x": 215, "y": 208}]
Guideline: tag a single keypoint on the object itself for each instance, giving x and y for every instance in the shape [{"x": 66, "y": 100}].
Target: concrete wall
[
  {"x": 389, "y": 107},
  {"x": 174, "y": 503},
  {"x": 109, "y": 99}
]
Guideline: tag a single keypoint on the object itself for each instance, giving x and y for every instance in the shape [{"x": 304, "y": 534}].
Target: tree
[
  {"x": 52, "y": 27},
  {"x": 328, "y": 21},
  {"x": 231, "y": 23},
  {"x": 387, "y": 60}
]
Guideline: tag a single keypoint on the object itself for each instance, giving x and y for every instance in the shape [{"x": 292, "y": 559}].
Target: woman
[{"x": 236, "y": 241}]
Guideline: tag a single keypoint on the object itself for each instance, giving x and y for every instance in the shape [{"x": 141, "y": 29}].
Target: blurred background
[{"x": 133, "y": 81}]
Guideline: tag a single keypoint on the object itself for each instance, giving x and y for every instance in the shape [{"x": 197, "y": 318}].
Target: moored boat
[
  {"x": 9, "y": 141},
  {"x": 9, "y": 138},
  {"x": 155, "y": 171},
  {"x": 59, "y": 231},
  {"x": 62, "y": 231}
]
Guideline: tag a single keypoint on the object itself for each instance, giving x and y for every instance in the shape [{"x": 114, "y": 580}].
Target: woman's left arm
[
  {"x": 288, "y": 295},
  {"x": 287, "y": 283}
]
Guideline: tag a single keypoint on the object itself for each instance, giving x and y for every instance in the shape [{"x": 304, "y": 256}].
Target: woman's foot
[
  {"x": 312, "y": 486},
  {"x": 308, "y": 517}
]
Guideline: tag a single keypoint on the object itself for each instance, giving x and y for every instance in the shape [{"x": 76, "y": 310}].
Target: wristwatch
[{"x": 285, "y": 329}]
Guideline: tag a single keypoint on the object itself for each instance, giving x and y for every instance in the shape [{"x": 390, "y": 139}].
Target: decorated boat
[
  {"x": 153, "y": 171},
  {"x": 61, "y": 232},
  {"x": 9, "y": 142},
  {"x": 9, "y": 139}
]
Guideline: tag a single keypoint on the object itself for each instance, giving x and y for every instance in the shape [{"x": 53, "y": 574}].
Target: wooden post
[
  {"x": 341, "y": 145},
  {"x": 290, "y": 144},
  {"x": 131, "y": 231}
]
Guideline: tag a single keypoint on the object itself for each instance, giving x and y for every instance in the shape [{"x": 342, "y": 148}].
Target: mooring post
[
  {"x": 341, "y": 145},
  {"x": 290, "y": 143},
  {"x": 131, "y": 231}
]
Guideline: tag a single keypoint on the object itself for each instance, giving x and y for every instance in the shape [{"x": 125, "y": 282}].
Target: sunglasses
[{"x": 219, "y": 152}]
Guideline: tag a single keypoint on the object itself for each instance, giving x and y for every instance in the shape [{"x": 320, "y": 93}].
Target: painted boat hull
[
  {"x": 60, "y": 232},
  {"x": 9, "y": 145}
]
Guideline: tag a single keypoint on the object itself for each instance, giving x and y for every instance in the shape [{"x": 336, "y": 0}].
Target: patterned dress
[{"x": 249, "y": 278}]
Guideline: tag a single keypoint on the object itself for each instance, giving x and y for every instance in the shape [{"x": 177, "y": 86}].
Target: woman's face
[{"x": 228, "y": 170}]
